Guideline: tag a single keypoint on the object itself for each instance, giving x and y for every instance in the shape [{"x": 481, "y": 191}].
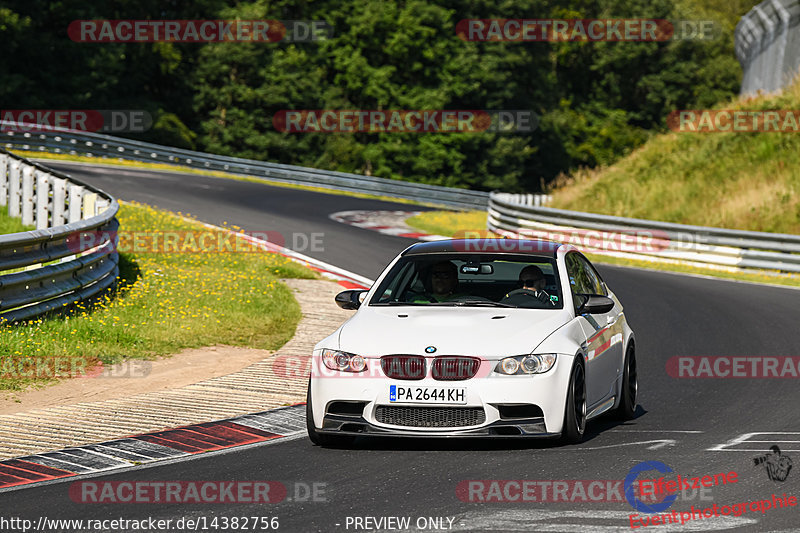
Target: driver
[{"x": 531, "y": 279}]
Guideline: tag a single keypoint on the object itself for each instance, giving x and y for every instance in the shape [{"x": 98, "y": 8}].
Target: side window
[
  {"x": 398, "y": 280},
  {"x": 579, "y": 280},
  {"x": 598, "y": 287}
]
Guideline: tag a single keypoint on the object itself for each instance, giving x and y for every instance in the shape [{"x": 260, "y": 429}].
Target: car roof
[{"x": 538, "y": 247}]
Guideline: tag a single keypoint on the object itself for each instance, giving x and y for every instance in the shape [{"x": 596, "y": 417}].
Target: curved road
[{"x": 679, "y": 420}]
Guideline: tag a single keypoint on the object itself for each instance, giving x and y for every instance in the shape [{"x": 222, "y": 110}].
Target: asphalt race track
[{"x": 679, "y": 420}]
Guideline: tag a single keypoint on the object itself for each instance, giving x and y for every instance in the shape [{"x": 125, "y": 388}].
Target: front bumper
[
  {"x": 350, "y": 425},
  {"x": 486, "y": 393}
]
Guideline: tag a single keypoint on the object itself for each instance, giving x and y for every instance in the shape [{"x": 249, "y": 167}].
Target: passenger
[{"x": 443, "y": 282}]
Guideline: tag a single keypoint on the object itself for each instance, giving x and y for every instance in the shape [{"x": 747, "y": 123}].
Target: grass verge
[
  {"x": 212, "y": 173},
  {"x": 11, "y": 224},
  {"x": 164, "y": 302},
  {"x": 453, "y": 224},
  {"x": 447, "y": 223}
]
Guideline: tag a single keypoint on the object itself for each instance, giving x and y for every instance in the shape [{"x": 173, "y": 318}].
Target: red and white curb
[
  {"x": 151, "y": 447},
  {"x": 386, "y": 222}
]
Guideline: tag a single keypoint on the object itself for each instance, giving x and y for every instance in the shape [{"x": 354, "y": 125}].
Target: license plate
[{"x": 399, "y": 393}]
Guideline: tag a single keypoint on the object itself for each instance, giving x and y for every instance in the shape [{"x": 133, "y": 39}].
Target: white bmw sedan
[{"x": 472, "y": 338}]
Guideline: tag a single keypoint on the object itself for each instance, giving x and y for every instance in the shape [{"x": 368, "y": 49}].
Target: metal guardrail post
[
  {"x": 89, "y": 205},
  {"x": 75, "y": 202},
  {"x": 3, "y": 180},
  {"x": 14, "y": 189},
  {"x": 42, "y": 200},
  {"x": 59, "y": 201},
  {"x": 27, "y": 195}
]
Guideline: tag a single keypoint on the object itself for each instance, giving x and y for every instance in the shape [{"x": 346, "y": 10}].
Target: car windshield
[{"x": 472, "y": 280}]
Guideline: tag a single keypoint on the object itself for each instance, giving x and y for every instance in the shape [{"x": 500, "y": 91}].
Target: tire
[
  {"x": 321, "y": 439},
  {"x": 629, "y": 388},
  {"x": 575, "y": 410}
]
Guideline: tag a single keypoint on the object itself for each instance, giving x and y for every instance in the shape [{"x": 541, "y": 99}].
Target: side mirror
[
  {"x": 595, "y": 305},
  {"x": 350, "y": 299}
]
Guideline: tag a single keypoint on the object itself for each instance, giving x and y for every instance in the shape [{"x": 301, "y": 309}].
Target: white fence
[
  {"x": 768, "y": 45},
  {"x": 45, "y": 269}
]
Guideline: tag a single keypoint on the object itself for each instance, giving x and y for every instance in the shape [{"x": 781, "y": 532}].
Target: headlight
[
  {"x": 343, "y": 361},
  {"x": 526, "y": 364},
  {"x": 509, "y": 366}
]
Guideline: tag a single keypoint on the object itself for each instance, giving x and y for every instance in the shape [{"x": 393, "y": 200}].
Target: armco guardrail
[
  {"x": 768, "y": 45},
  {"x": 97, "y": 145},
  {"x": 646, "y": 239},
  {"x": 44, "y": 269}
]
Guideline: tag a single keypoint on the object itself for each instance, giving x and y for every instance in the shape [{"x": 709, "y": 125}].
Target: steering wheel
[{"x": 543, "y": 297}]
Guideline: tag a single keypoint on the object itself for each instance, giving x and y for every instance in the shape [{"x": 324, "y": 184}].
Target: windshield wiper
[{"x": 477, "y": 303}]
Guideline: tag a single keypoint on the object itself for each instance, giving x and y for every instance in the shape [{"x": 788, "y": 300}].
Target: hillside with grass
[{"x": 745, "y": 181}]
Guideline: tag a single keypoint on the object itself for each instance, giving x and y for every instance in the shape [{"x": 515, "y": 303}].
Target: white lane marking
[
  {"x": 653, "y": 431},
  {"x": 659, "y": 443},
  {"x": 744, "y": 438},
  {"x": 530, "y": 520}
]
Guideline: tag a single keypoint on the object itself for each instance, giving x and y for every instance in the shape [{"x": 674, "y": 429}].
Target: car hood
[{"x": 483, "y": 332}]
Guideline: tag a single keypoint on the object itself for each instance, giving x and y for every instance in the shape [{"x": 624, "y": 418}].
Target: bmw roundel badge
[{"x": 430, "y": 349}]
